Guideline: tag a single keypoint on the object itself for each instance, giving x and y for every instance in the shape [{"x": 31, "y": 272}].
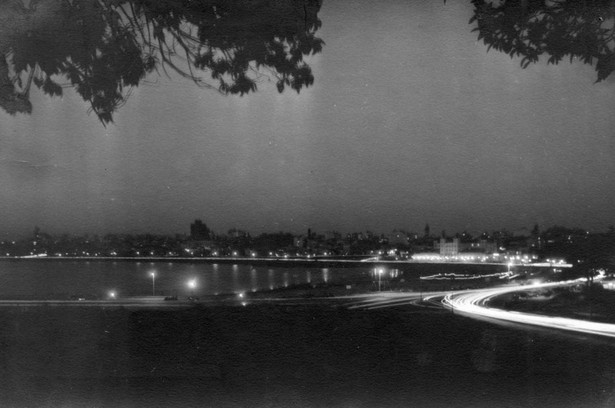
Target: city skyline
[
  {"x": 427, "y": 230},
  {"x": 409, "y": 120}
]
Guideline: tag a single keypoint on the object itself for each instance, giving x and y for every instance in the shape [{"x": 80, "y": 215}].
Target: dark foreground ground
[{"x": 304, "y": 355}]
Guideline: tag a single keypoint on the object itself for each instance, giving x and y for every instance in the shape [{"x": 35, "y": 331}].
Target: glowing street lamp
[
  {"x": 153, "y": 275},
  {"x": 379, "y": 271},
  {"x": 192, "y": 285}
]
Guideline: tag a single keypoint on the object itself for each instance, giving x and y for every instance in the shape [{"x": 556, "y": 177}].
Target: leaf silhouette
[
  {"x": 556, "y": 29},
  {"x": 104, "y": 47}
]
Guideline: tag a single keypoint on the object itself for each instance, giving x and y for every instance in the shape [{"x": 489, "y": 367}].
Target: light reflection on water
[
  {"x": 253, "y": 280},
  {"x": 62, "y": 279},
  {"x": 236, "y": 288},
  {"x": 270, "y": 279}
]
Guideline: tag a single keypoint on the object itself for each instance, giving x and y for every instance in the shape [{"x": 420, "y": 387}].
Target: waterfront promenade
[{"x": 318, "y": 262}]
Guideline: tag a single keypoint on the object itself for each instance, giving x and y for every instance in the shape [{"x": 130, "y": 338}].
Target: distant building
[
  {"x": 521, "y": 232},
  {"x": 448, "y": 247},
  {"x": 237, "y": 233},
  {"x": 452, "y": 247},
  {"x": 300, "y": 241},
  {"x": 332, "y": 235},
  {"x": 397, "y": 238},
  {"x": 199, "y": 231},
  {"x": 487, "y": 247}
]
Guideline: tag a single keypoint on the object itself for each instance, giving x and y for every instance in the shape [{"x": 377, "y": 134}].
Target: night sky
[{"x": 410, "y": 121}]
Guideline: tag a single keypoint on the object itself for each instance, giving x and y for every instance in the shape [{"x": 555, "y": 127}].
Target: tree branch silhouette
[
  {"x": 103, "y": 48},
  {"x": 559, "y": 29}
]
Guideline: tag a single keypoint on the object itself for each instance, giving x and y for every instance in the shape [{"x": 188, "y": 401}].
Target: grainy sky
[{"x": 410, "y": 121}]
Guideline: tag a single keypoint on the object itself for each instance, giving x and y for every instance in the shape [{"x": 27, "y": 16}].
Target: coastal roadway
[
  {"x": 471, "y": 303},
  {"x": 160, "y": 302},
  {"x": 317, "y": 261},
  {"x": 475, "y": 304},
  {"x": 382, "y": 300},
  {"x": 141, "y": 302}
]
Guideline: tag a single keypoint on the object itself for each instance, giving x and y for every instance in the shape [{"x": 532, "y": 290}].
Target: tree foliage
[
  {"x": 559, "y": 29},
  {"x": 104, "y": 48}
]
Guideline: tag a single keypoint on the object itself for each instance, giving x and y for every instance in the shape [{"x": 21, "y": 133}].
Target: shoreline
[{"x": 317, "y": 262}]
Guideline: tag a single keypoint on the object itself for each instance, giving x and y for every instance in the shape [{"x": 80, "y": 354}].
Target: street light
[
  {"x": 192, "y": 285},
  {"x": 153, "y": 275},
  {"x": 380, "y": 271}
]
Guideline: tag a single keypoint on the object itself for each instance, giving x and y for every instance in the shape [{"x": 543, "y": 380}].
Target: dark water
[
  {"x": 274, "y": 355},
  {"x": 49, "y": 279}
]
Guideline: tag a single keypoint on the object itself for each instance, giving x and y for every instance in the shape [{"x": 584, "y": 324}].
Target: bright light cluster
[
  {"x": 498, "y": 258},
  {"x": 457, "y": 276}
]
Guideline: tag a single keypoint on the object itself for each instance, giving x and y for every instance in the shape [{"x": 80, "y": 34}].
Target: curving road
[
  {"x": 381, "y": 300},
  {"x": 473, "y": 303}
]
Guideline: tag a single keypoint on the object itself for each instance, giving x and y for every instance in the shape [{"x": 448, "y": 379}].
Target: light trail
[
  {"x": 395, "y": 299},
  {"x": 383, "y": 299},
  {"x": 473, "y": 304}
]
